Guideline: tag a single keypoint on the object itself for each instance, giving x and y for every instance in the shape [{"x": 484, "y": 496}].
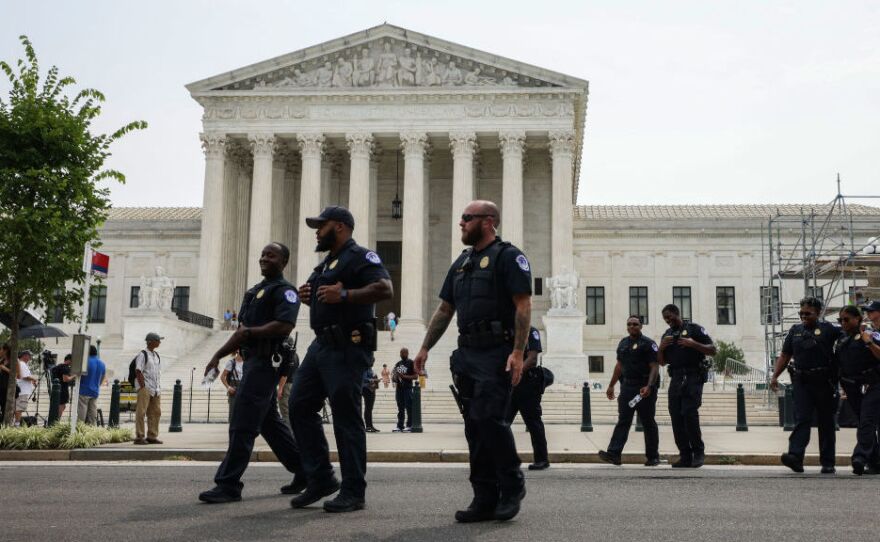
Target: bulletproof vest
[
  {"x": 680, "y": 358},
  {"x": 811, "y": 348},
  {"x": 855, "y": 356},
  {"x": 477, "y": 291},
  {"x": 258, "y": 306},
  {"x": 338, "y": 269},
  {"x": 634, "y": 358}
]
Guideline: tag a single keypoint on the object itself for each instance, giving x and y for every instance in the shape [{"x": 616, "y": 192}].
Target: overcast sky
[{"x": 690, "y": 102}]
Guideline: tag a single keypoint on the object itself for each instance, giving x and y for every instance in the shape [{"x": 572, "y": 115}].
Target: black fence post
[
  {"x": 416, "y": 407},
  {"x": 113, "y": 420},
  {"x": 741, "y": 423},
  {"x": 176, "y": 407},
  {"x": 54, "y": 400},
  {"x": 586, "y": 414},
  {"x": 789, "y": 409}
]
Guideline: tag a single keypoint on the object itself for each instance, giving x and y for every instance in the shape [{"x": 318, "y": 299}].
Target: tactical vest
[
  {"x": 855, "y": 356},
  {"x": 810, "y": 350},
  {"x": 477, "y": 291},
  {"x": 346, "y": 315},
  {"x": 633, "y": 360}
]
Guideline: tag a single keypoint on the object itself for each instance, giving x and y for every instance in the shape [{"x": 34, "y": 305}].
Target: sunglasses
[{"x": 468, "y": 217}]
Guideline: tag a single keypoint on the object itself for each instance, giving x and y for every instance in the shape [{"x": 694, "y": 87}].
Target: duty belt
[
  {"x": 264, "y": 348},
  {"x": 868, "y": 376},
  {"x": 635, "y": 381},
  {"x": 338, "y": 337}
]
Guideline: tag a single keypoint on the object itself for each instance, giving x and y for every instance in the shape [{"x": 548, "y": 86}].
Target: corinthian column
[
  {"x": 360, "y": 147},
  {"x": 512, "y": 146},
  {"x": 562, "y": 153},
  {"x": 211, "y": 243},
  {"x": 414, "y": 269},
  {"x": 260, "y": 231},
  {"x": 311, "y": 147},
  {"x": 463, "y": 145}
]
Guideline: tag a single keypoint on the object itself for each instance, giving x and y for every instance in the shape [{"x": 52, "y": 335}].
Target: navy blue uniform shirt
[
  {"x": 854, "y": 356},
  {"x": 680, "y": 357},
  {"x": 811, "y": 348},
  {"x": 269, "y": 301},
  {"x": 636, "y": 356}
]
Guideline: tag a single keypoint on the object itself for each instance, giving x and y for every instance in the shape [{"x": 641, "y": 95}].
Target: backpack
[{"x": 132, "y": 367}]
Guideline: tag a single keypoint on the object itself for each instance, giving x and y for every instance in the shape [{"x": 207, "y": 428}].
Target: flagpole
[{"x": 83, "y": 326}]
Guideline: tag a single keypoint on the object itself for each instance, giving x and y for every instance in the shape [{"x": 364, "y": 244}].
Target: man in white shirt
[
  {"x": 25, "y": 382},
  {"x": 148, "y": 391}
]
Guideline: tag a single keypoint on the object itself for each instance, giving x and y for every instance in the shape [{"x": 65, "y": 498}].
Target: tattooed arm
[{"x": 436, "y": 328}]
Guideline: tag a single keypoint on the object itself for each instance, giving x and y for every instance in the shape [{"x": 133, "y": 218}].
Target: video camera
[{"x": 49, "y": 359}]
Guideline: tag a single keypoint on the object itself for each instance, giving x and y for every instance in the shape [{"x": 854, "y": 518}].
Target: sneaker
[
  {"x": 475, "y": 512},
  {"x": 858, "y": 468},
  {"x": 154, "y": 441},
  {"x": 139, "y": 441},
  {"x": 218, "y": 495},
  {"x": 344, "y": 503},
  {"x": 828, "y": 469},
  {"x": 872, "y": 469},
  {"x": 508, "y": 506},
  {"x": 653, "y": 462},
  {"x": 372, "y": 430},
  {"x": 793, "y": 462},
  {"x": 296, "y": 486},
  {"x": 609, "y": 457},
  {"x": 539, "y": 465},
  {"x": 314, "y": 493},
  {"x": 406, "y": 430},
  {"x": 397, "y": 430}
]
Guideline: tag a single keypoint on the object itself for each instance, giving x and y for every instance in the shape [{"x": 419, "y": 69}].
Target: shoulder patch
[
  {"x": 522, "y": 262},
  {"x": 876, "y": 335},
  {"x": 373, "y": 257},
  {"x": 291, "y": 296},
  {"x": 654, "y": 347},
  {"x": 703, "y": 331},
  {"x": 537, "y": 335}
]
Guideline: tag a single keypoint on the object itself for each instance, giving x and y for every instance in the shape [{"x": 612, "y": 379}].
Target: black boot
[
  {"x": 476, "y": 511},
  {"x": 539, "y": 465},
  {"x": 344, "y": 503},
  {"x": 219, "y": 495},
  {"x": 296, "y": 486},
  {"x": 608, "y": 457},
  {"x": 315, "y": 492},
  {"x": 508, "y": 506},
  {"x": 793, "y": 462}
]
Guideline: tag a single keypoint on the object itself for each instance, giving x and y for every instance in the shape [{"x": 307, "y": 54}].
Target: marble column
[
  {"x": 360, "y": 148},
  {"x": 512, "y": 147},
  {"x": 242, "y": 223},
  {"x": 311, "y": 147},
  {"x": 211, "y": 243},
  {"x": 414, "y": 269},
  {"x": 463, "y": 146},
  {"x": 281, "y": 196},
  {"x": 260, "y": 230},
  {"x": 562, "y": 145},
  {"x": 375, "y": 160}
]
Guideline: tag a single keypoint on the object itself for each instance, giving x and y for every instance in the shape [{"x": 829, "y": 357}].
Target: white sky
[{"x": 690, "y": 102}]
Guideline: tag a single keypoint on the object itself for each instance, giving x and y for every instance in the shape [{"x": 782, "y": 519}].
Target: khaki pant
[
  {"x": 284, "y": 404},
  {"x": 87, "y": 410},
  {"x": 152, "y": 407}
]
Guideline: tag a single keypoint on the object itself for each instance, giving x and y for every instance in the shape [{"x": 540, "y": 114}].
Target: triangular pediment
[{"x": 386, "y": 57}]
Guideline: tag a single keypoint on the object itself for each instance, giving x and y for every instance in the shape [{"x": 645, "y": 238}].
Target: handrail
[{"x": 194, "y": 318}]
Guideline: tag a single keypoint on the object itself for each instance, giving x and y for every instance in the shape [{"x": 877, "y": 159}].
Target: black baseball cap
[
  {"x": 872, "y": 306},
  {"x": 334, "y": 212}
]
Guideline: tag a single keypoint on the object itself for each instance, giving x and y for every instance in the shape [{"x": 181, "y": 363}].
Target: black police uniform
[
  {"x": 686, "y": 390},
  {"x": 333, "y": 367},
  {"x": 403, "y": 393},
  {"x": 481, "y": 285},
  {"x": 526, "y": 399},
  {"x": 814, "y": 381},
  {"x": 255, "y": 410},
  {"x": 860, "y": 378},
  {"x": 636, "y": 357}
]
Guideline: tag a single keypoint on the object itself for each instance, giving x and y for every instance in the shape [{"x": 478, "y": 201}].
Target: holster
[{"x": 484, "y": 334}]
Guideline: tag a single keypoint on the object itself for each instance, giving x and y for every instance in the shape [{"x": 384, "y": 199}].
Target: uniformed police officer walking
[
  {"x": 526, "y": 399},
  {"x": 810, "y": 345},
  {"x": 342, "y": 293},
  {"x": 637, "y": 370},
  {"x": 858, "y": 356},
  {"x": 684, "y": 347},
  {"x": 489, "y": 287},
  {"x": 267, "y": 316}
]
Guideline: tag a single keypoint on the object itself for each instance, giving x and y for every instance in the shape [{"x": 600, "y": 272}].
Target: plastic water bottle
[
  {"x": 635, "y": 400},
  {"x": 210, "y": 378}
]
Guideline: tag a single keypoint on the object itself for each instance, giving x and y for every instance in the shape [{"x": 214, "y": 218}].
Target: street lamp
[{"x": 396, "y": 204}]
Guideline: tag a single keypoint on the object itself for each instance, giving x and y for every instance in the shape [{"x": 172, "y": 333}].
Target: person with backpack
[
  {"x": 231, "y": 377},
  {"x": 146, "y": 383}
]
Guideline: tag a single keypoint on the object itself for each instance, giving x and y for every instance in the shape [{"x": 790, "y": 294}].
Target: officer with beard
[
  {"x": 342, "y": 293},
  {"x": 489, "y": 287}
]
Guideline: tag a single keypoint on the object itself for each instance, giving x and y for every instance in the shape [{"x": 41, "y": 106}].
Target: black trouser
[
  {"x": 256, "y": 412},
  {"x": 526, "y": 399},
  {"x": 867, "y": 408},
  {"x": 814, "y": 394},
  {"x": 685, "y": 398},
  {"x": 647, "y": 409},
  {"x": 328, "y": 372},
  {"x": 485, "y": 391},
  {"x": 369, "y": 401},
  {"x": 404, "y": 394}
]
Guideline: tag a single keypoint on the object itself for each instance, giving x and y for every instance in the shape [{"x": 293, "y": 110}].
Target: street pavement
[{"x": 157, "y": 501}]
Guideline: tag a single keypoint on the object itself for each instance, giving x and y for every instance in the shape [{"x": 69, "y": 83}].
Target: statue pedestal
[
  {"x": 564, "y": 354},
  {"x": 180, "y": 337}
]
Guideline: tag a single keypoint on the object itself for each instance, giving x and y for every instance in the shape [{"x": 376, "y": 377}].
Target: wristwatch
[{"x": 343, "y": 295}]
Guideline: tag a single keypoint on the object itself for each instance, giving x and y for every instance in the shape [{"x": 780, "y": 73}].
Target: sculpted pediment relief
[{"x": 387, "y": 63}]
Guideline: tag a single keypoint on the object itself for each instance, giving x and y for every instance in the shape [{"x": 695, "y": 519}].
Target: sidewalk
[{"x": 446, "y": 443}]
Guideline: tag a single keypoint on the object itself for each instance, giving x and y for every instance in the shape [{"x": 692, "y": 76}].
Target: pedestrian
[
  {"x": 637, "y": 370},
  {"x": 392, "y": 323},
  {"x": 386, "y": 376},
  {"x": 872, "y": 311},
  {"x": 90, "y": 387},
  {"x": 285, "y": 384},
  {"x": 489, "y": 287},
  {"x": 858, "y": 357},
  {"x": 342, "y": 292},
  {"x": 808, "y": 353},
  {"x": 147, "y": 374},
  {"x": 227, "y": 319},
  {"x": 683, "y": 348},
  {"x": 526, "y": 400},
  {"x": 231, "y": 378},
  {"x": 368, "y": 388},
  {"x": 5, "y": 360},
  {"x": 26, "y": 381},
  {"x": 61, "y": 373},
  {"x": 268, "y": 313},
  {"x": 404, "y": 374},
  {"x": 234, "y": 320}
]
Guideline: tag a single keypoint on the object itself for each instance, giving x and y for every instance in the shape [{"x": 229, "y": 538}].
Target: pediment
[{"x": 384, "y": 58}]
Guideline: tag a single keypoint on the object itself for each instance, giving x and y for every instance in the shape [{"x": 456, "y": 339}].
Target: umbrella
[
  {"x": 40, "y": 331},
  {"x": 25, "y": 319}
]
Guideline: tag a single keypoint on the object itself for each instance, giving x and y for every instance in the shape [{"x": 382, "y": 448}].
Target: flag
[{"x": 100, "y": 264}]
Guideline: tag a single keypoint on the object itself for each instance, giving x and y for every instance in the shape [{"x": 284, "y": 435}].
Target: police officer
[
  {"x": 268, "y": 314},
  {"x": 684, "y": 347},
  {"x": 637, "y": 370},
  {"x": 342, "y": 293},
  {"x": 489, "y": 287},
  {"x": 858, "y": 356},
  {"x": 814, "y": 382},
  {"x": 872, "y": 311},
  {"x": 526, "y": 399}
]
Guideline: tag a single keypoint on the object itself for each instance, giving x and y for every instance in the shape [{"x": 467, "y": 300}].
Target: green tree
[
  {"x": 727, "y": 351},
  {"x": 51, "y": 199}
]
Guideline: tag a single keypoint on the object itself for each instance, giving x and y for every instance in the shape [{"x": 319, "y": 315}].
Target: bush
[
  {"x": 725, "y": 352},
  {"x": 59, "y": 437}
]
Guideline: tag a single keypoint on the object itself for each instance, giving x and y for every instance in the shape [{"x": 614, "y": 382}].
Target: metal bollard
[
  {"x": 586, "y": 415},
  {"x": 417, "y": 408},
  {"x": 741, "y": 424},
  {"x": 113, "y": 420},
  {"x": 639, "y": 427},
  {"x": 789, "y": 409},
  {"x": 54, "y": 400},
  {"x": 176, "y": 407}
]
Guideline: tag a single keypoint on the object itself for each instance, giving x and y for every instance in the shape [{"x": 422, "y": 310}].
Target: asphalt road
[{"x": 157, "y": 501}]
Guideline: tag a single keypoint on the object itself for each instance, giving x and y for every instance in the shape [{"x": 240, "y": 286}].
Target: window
[
  {"x": 638, "y": 302},
  {"x": 681, "y": 298},
  {"x": 816, "y": 291},
  {"x": 97, "y": 304},
  {"x": 180, "y": 302},
  {"x": 726, "y": 305},
  {"x": 595, "y": 305},
  {"x": 54, "y": 312},
  {"x": 770, "y": 309},
  {"x": 134, "y": 299},
  {"x": 539, "y": 286},
  {"x": 597, "y": 364}
]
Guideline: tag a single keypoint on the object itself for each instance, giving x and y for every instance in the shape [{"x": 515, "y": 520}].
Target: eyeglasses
[{"x": 468, "y": 217}]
